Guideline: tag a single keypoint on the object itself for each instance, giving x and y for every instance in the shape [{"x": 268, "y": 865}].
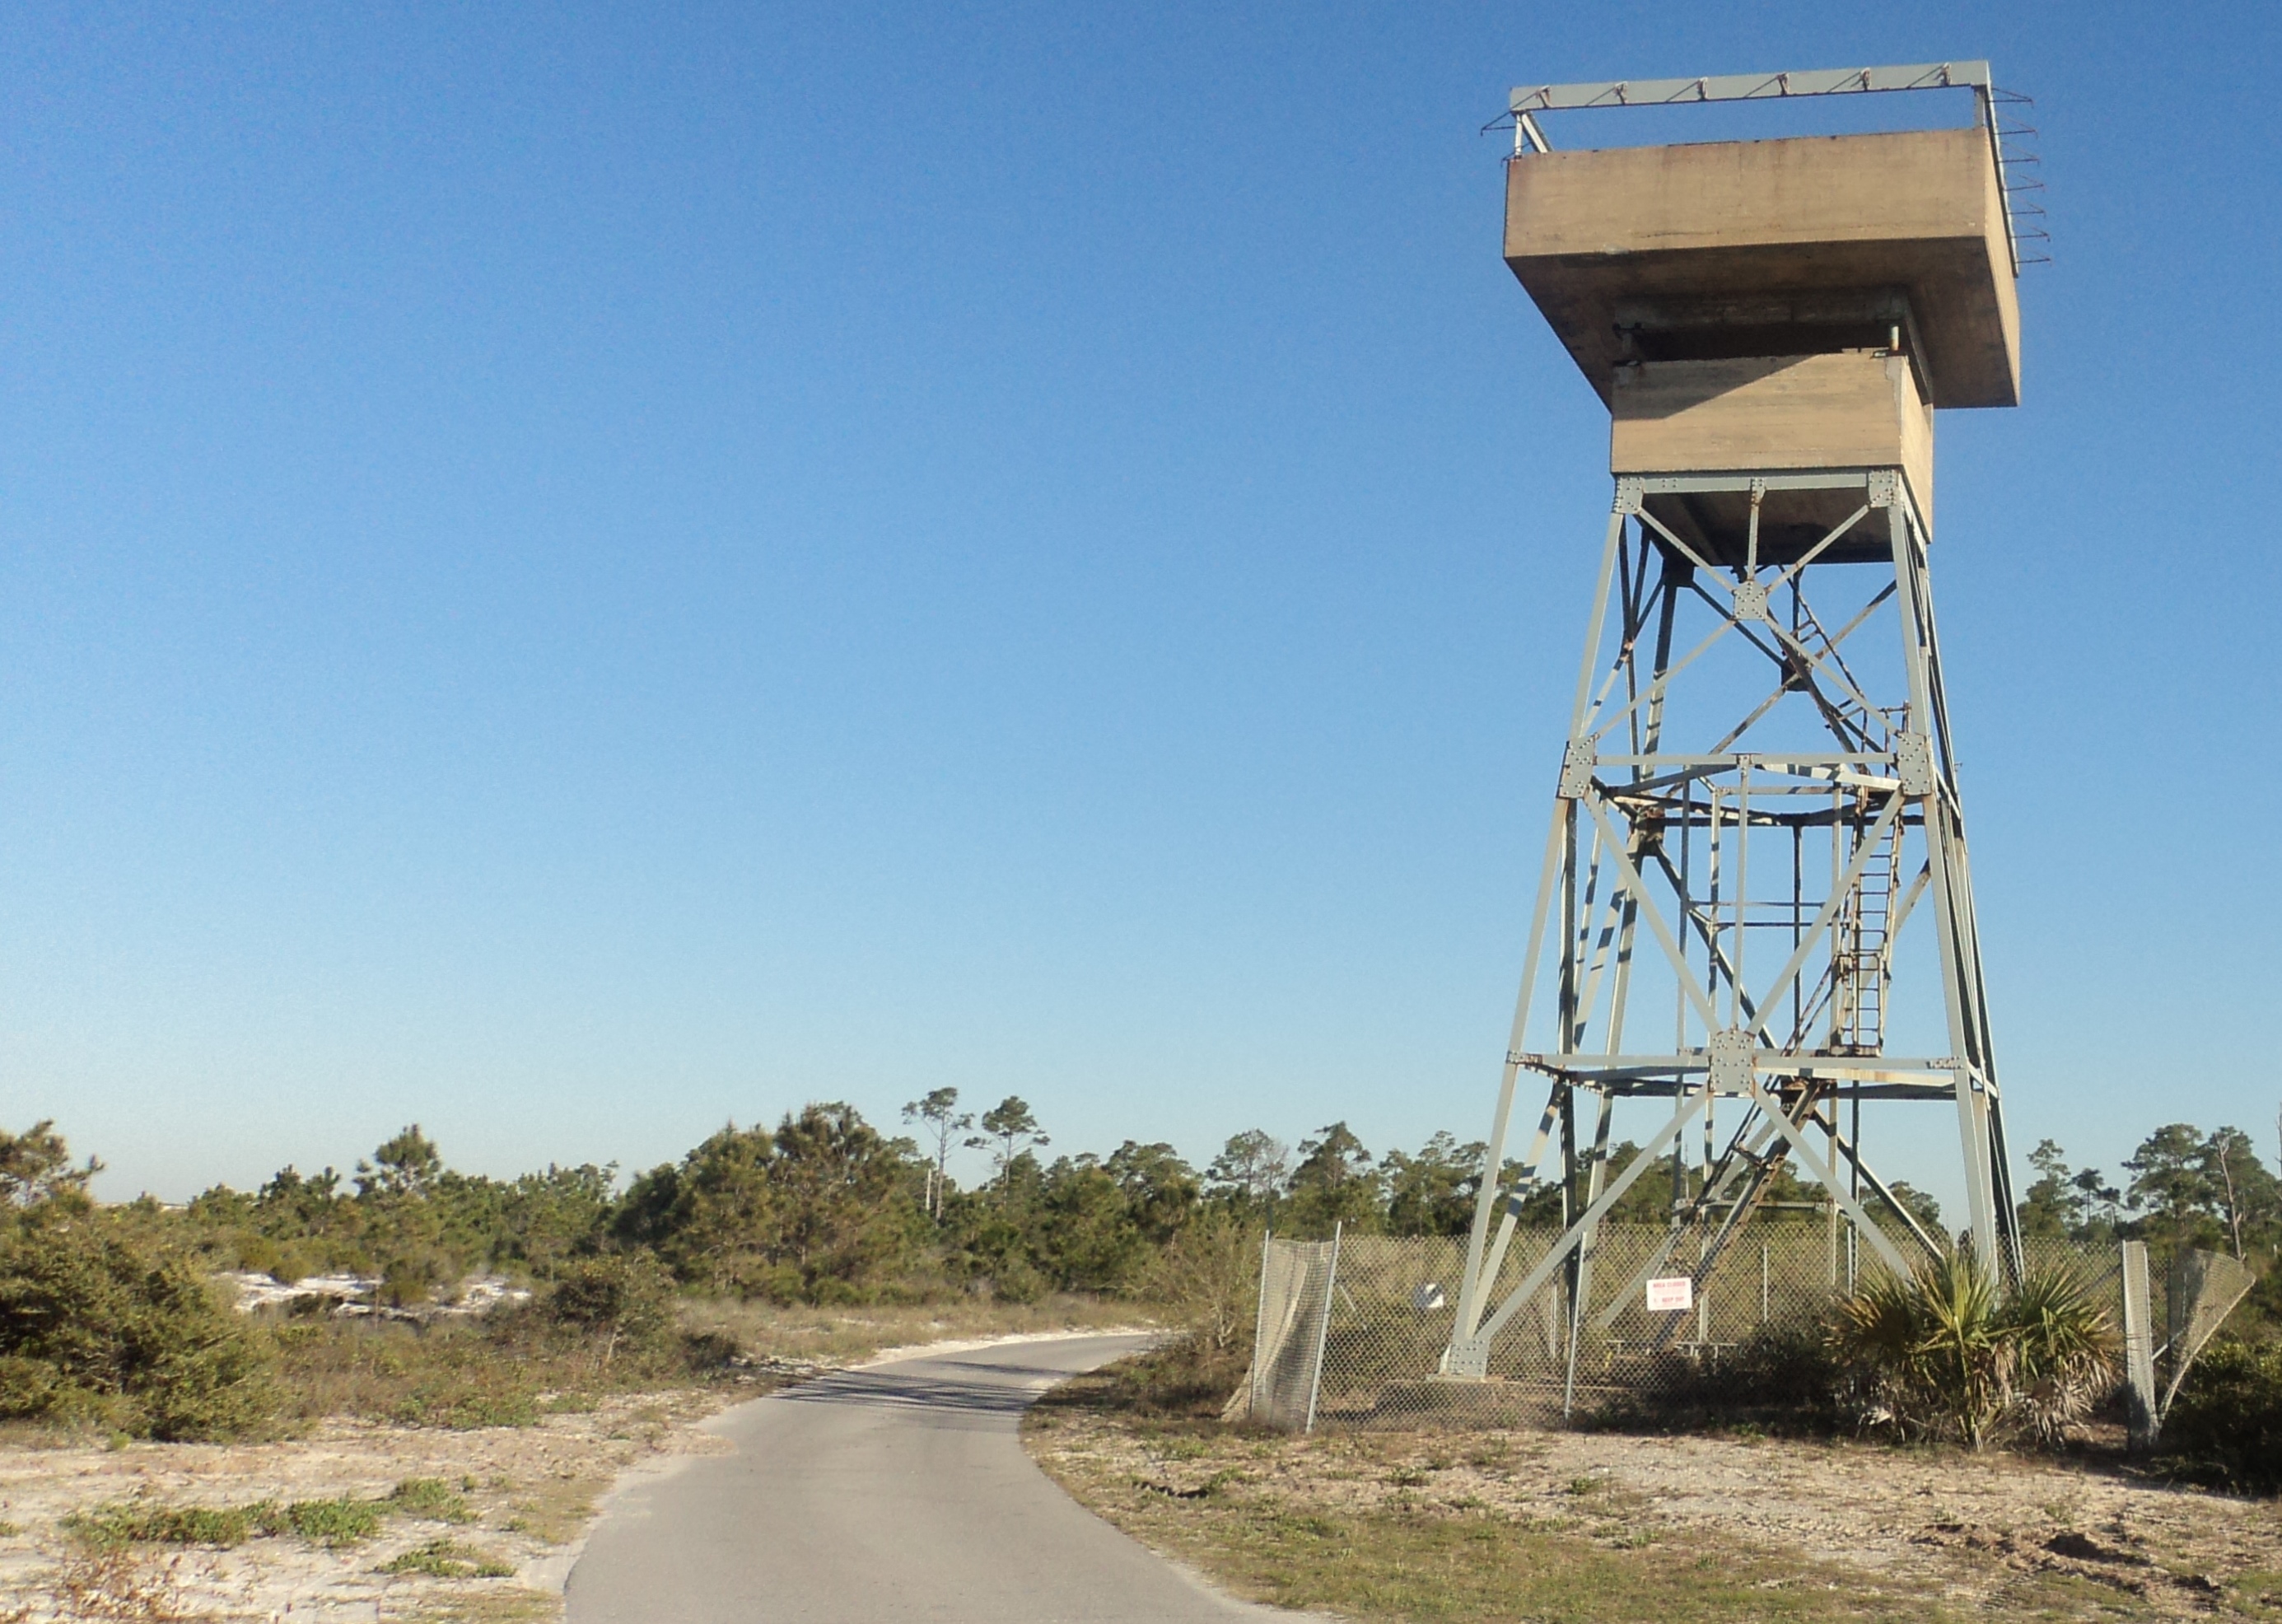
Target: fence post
[
  {"x": 2139, "y": 1346},
  {"x": 1763, "y": 1285},
  {"x": 1323, "y": 1332}
]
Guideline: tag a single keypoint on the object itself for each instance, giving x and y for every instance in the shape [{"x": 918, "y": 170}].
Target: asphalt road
[{"x": 898, "y": 1492}]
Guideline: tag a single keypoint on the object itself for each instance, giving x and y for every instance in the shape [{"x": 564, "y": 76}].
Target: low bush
[
  {"x": 1207, "y": 1280},
  {"x": 622, "y": 1301},
  {"x": 1184, "y": 1379},
  {"x": 101, "y": 1327},
  {"x": 2225, "y": 1427},
  {"x": 601, "y": 1331},
  {"x": 1784, "y": 1379}
]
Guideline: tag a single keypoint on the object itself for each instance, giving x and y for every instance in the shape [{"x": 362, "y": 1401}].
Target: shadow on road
[{"x": 1015, "y": 1388}]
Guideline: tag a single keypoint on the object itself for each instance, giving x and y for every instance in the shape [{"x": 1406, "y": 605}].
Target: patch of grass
[
  {"x": 2257, "y": 1592},
  {"x": 1297, "y": 1538},
  {"x": 446, "y": 1559},
  {"x": 344, "y": 1522},
  {"x": 119, "y": 1523},
  {"x": 460, "y": 1407},
  {"x": 432, "y": 1498},
  {"x": 554, "y": 1509},
  {"x": 493, "y": 1604},
  {"x": 1435, "y": 1565}
]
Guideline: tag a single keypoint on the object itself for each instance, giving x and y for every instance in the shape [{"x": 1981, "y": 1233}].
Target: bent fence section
[{"x": 1287, "y": 1347}]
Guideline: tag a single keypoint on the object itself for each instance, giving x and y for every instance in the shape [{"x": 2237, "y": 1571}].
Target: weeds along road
[{"x": 899, "y": 1491}]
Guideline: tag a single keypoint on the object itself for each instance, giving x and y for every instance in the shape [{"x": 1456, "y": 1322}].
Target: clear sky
[{"x": 573, "y": 574}]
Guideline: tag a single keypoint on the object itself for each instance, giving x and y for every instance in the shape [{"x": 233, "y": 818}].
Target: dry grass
[{"x": 1514, "y": 1525}]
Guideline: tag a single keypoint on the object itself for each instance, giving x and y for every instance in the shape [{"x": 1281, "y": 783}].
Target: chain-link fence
[{"x": 1353, "y": 1333}]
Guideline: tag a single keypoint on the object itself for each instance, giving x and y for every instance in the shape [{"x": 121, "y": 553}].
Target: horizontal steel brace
[
  {"x": 1784, "y": 763},
  {"x": 1690, "y": 1061},
  {"x": 1816, "y": 479}
]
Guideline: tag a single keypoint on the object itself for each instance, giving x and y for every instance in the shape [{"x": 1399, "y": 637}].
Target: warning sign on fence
[{"x": 1674, "y": 1294}]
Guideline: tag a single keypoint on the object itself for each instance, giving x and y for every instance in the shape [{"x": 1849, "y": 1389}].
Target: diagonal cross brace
[
  {"x": 1889, "y": 1254},
  {"x": 1534, "y": 1281},
  {"x": 1638, "y": 886}
]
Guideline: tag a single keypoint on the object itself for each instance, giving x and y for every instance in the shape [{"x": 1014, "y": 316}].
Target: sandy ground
[
  {"x": 1967, "y": 1526},
  {"x": 530, "y": 1491}
]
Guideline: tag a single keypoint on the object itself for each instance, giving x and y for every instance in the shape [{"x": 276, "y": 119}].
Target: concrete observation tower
[{"x": 1755, "y": 912}]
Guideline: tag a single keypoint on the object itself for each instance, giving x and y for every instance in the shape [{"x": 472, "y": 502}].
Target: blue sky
[{"x": 573, "y": 576}]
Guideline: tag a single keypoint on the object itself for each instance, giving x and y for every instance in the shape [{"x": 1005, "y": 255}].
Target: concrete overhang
[{"x": 1593, "y": 234}]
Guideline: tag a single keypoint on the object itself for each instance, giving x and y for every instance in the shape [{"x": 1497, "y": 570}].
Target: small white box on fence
[{"x": 1674, "y": 1293}]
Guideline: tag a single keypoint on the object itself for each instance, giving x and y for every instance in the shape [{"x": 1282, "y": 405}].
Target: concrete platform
[{"x": 1762, "y": 246}]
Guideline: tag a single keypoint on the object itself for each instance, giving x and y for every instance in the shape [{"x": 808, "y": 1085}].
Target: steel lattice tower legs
[{"x": 1810, "y": 829}]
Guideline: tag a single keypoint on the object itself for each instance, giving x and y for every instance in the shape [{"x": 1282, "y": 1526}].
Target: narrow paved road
[{"x": 900, "y": 1492}]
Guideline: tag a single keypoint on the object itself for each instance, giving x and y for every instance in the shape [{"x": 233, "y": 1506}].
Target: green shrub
[
  {"x": 100, "y": 1327},
  {"x": 626, "y": 1301},
  {"x": 1782, "y": 1378},
  {"x": 1207, "y": 1279},
  {"x": 2225, "y": 1427}
]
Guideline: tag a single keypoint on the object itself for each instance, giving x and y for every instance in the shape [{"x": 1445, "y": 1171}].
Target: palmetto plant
[
  {"x": 2067, "y": 1348},
  {"x": 1945, "y": 1351}
]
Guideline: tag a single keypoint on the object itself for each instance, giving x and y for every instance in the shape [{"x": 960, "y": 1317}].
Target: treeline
[
  {"x": 108, "y": 1314},
  {"x": 826, "y": 1208}
]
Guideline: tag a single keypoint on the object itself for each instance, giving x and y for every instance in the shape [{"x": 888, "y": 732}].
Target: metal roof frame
[{"x": 1528, "y": 100}]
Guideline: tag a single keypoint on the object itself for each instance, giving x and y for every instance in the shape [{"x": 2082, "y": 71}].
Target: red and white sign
[{"x": 1673, "y": 1295}]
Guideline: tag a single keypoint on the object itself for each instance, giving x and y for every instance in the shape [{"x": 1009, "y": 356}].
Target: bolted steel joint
[
  {"x": 1577, "y": 769},
  {"x": 1913, "y": 765},
  {"x": 1731, "y": 1061},
  {"x": 1751, "y": 601},
  {"x": 1468, "y": 1361}
]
